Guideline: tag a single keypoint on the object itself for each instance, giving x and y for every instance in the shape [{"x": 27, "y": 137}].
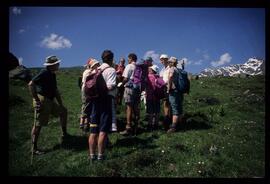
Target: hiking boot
[
  {"x": 38, "y": 152},
  {"x": 126, "y": 132},
  {"x": 92, "y": 157},
  {"x": 100, "y": 157},
  {"x": 171, "y": 130}
]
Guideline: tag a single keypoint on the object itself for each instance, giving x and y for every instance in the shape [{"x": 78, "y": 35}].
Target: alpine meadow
[{"x": 223, "y": 135}]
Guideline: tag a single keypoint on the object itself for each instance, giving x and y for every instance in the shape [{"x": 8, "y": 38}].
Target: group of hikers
[{"x": 103, "y": 86}]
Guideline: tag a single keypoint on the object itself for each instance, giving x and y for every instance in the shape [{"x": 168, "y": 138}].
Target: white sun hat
[
  {"x": 164, "y": 56},
  {"x": 155, "y": 68},
  {"x": 51, "y": 60}
]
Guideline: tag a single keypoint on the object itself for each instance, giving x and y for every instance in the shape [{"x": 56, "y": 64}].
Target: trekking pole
[{"x": 32, "y": 137}]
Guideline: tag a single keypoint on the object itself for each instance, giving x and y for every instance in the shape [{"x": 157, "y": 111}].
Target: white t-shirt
[
  {"x": 109, "y": 76},
  {"x": 129, "y": 70},
  {"x": 164, "y": 73}
]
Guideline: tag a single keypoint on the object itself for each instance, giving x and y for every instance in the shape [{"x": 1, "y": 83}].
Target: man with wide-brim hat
[{"x": 47, "y": 100}]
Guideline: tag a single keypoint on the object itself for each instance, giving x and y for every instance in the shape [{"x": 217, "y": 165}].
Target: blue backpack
[{"x": 183, "y": 83}]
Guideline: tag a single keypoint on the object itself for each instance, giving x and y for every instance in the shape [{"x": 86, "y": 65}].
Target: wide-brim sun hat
[
  {"x": 173, "y": 60},
  {"x": 95, "y": 62},
  {"x": 164, "y": 56},
  {"x": 155, "y": 68},
  {"x": 51, "y": 60}
]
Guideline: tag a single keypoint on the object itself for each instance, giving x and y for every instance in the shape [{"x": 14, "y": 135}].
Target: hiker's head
[
  {"x": 107, "y": 57},
  {"x": 149, "y": 61},
  {"x": 52, "y": 63},
  {"x": 132, "y": 58},
  {"x": 173, "y": 61},
  {"x": 164, "y": 59},
  {"x": 122, "y": 61},
  {"x": 94, "y": 65},
  {"x": 153, "y": 69}
]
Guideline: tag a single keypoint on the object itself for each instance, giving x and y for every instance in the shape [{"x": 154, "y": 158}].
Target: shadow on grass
[
  {"x": 74, "y": 143},
  {"x": 136, "y": 142},
  {"x": 195, "y": 121}
]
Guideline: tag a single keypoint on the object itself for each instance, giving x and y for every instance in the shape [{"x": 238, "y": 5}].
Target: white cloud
[
  {"x": 206, "y": 56},
  {"x": 198, "y": 62},
  {"x": 46, "y": 26},
  {"x": 16, "y": 11},
  {"x": 20, "y": 60},
  {"x": 151, "y": 53},
  {"x": 21, "y": 31},
  {"x": 55, "y": 42},
  {"x": 197, "y": 50},
  {"x": 225, "y": 58}
]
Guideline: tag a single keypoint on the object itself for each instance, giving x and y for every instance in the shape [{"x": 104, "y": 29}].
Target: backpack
[
  {"x": 95, "y": 85},
  {"x": 183, "y": 83},
  {"x": 160, "y": 88},
  {"x": 139, "y": 79}
]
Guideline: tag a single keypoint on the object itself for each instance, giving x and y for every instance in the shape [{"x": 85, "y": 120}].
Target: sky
[{"x": 200, "y": 37}]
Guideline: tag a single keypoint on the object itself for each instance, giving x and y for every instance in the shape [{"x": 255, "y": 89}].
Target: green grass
[{"x": 223, "y": 136}]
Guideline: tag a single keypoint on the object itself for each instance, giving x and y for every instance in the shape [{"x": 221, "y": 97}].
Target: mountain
[{"x": 252, "y": 67}]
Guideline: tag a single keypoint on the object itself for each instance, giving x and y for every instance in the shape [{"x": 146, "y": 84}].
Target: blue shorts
[
  {"x": 176, "y": 102},
  {"x": 101, "y": 115}
]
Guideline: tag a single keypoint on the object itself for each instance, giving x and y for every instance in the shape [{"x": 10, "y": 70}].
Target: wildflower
[
  {"x": 199, "y": 171},
  {"x": 202, "y": 163},
  {"x": 187, "y": 163},
  {"x": 162, "y": 151},
  {"x": 199, "y": 162}
]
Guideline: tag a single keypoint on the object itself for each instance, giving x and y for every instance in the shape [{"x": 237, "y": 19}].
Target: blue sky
[{"x": 202, "y": 37}]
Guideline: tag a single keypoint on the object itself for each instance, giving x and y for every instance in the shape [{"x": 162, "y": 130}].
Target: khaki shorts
[{"x": 48, "y": 107}]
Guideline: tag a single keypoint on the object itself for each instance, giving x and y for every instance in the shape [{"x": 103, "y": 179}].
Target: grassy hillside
[{"x": 223, "y": 136}]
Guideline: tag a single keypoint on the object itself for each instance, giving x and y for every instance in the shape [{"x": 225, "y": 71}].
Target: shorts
[
  {"x": 48, "y": 107},
  {"x": 101, "y": 116},
  {"x": 86, "y": 107},
  {"x": 176, "y": 102},
  {"x": 132, "y": 96},
  {"x": 152, "y": 106}
]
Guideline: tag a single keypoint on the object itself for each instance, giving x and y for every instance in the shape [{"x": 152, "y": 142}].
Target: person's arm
[
  {"x": 170, "y": 78},
  {"x": 32, "y": 89}
]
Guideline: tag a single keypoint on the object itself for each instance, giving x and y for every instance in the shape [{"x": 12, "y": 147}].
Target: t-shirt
[
  {"x": 129, "y": 70},
  {"x": 45, "y": 82},
  {"x": 164, "y": 73},
  {"x": 150, "y": 87},
  {"x": 109, "y": 75}
]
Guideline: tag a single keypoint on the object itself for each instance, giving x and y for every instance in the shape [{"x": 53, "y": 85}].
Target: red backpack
[{"x": 95, "y": 85}]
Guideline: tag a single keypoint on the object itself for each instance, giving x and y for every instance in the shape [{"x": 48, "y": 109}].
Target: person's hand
[{"x": 38, "y": 104}]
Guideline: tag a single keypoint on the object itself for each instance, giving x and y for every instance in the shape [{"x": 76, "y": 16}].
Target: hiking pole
[{"x": 32, "y": 137}]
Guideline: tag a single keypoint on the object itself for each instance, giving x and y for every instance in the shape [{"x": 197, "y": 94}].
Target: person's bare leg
[
  {"x": 101, "y": 144},
  {"x": 63, "y": 121},
  {"x": 129, "y": 115},
  {"x": 92, "y": 142},
  {"x": 35, "y": 134}
]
